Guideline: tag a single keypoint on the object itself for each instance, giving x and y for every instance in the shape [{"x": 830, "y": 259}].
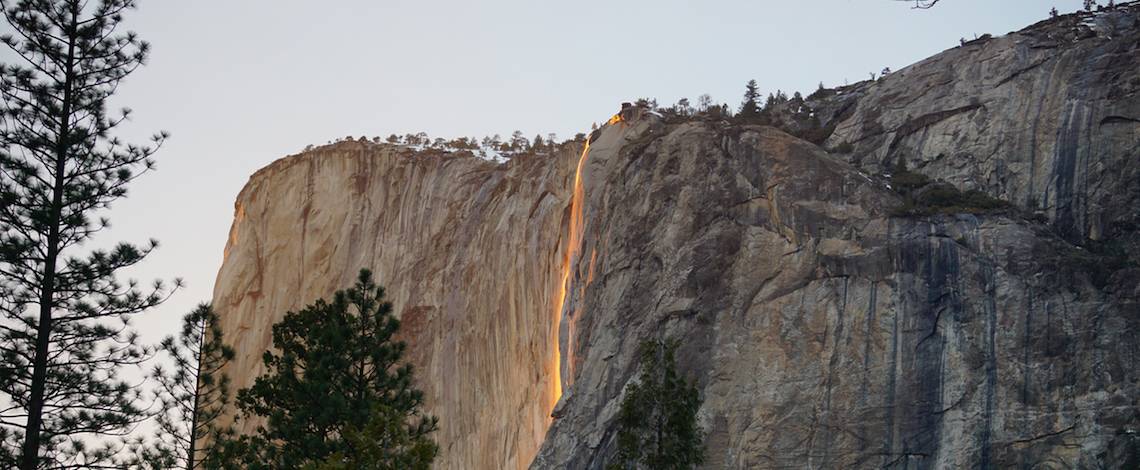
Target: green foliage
[
  {"x": 383, "y": 444},
  {"x": 844, "y": 147},
  {"x": 657, "y": 424},
  {"x": 968, "y": 201},
  {"x": 647, "y": 103},
  {"x": 821, "y": 93},
  {"x": 678, "y": 113},
  {"x": 775, "y": 99},
  {"x": 818, "y": 135},
  {"x": 65, "y": 333},
  {"x": 1132, "y": 457},
  {"x": 193, "y": 394},
  {"x": 335, "y": 360},
  {"x": 1032, "y": 205},
  {"x": 908, "y": 182},
  {"x": 518, "y": 142},
  {"x": 923, "y": 197},
  {"x": 1105, "y": 259},
  {"x": 795, "y": 116}
]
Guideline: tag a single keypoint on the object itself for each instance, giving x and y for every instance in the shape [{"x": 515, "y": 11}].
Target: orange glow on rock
[
  {"x": 573, "y": 243},
  {"x": 573, "y": 246},
  {"x": 239, "y": 217}
]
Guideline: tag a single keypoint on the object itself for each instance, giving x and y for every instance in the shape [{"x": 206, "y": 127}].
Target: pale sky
[{"x": 241, "y": 83}]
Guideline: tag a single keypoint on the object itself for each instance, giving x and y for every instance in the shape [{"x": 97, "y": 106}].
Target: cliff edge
[
  {"x": 465, "y": 248},
  {"x": 825, "y": 327}
]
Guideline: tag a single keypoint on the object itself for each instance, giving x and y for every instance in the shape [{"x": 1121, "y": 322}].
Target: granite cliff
[
  {"x": 1046, "y": 117},
  {"x": 824, "y": 328},
  {"x": 466, "y": 249}
]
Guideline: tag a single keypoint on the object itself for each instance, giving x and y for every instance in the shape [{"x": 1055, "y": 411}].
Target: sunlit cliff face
[
  {"x": 239, "y": 217},
  {"x": 574, "y": 238},
  {"x": 391, "y": 217},
  {"x": 564, "y": 368}
]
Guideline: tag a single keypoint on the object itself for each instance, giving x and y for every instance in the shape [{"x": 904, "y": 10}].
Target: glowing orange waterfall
[
  {"x": 574, "y": 245},
  {"x": 573, "y": 241}
]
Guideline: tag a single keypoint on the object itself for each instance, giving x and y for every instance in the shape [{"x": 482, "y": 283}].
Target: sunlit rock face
[
  {"x": 822, "y": 332},
  {"x": 467, "y": 251}
]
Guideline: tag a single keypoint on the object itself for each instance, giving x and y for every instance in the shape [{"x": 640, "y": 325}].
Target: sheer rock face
[
  {"x": 1047, "y": 117},
  {"x": 822, "y": 332},
  {"x": 466, "y": 251}
]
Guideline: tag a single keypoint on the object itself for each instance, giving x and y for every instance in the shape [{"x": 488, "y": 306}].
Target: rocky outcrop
[
  {"x": 823, "y": 332},
  {"x": 466, "y": 249},
  {"x": 1047, "y": 118}
]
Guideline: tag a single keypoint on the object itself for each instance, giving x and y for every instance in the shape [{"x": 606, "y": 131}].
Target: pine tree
[
  {"x": 683, "y": 107},
  {"x": 193, "y": 394},
  {"x": 750, "y": 108},
  {"x": 657, "y": 424},
  {"x": 65, "y": 332},
  {"x": 384, "y": 431},
  {"x": 518, "y": 142},
  {"x": 335, "y": 361}
]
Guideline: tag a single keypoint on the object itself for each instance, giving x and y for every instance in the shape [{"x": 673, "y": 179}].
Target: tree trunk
[{"x": 47, "y": 294}]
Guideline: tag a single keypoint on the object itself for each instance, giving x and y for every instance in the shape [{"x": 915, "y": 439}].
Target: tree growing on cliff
[
  {"x": 336, "y": 361},
  {"x": 65, "y": 333},
  {"x": 749, "y": 108},
  {"x": 657, "y": 424}
]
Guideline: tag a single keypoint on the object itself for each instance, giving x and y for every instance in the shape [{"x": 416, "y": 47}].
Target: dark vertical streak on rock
[
  {"x": 890, "y": 447},
  {"x": 938, "y": 269},
  {"x": 1064, "y": 169},
  {"x": 1026, "y": 368},
  {"x": 826, "y": 450},
  {"x": 867, "y": 351},
  {"x": 1072, "y": 157},
  {"x": 986, "y": 460},
  {"x": 1042, "y": 94}
]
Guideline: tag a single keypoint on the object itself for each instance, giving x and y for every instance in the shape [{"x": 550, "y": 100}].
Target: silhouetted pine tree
[
  {"x": 193, "y": 394},
  {"x": 65, "y": 333},
  {"x": 749, "y": 108},
  {"x": 330, "y": 364}
]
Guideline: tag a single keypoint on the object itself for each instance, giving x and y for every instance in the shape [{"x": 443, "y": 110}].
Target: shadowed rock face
[
  {"x": 824, "y": 333},
  {"x": 1047, "y": 116}
]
